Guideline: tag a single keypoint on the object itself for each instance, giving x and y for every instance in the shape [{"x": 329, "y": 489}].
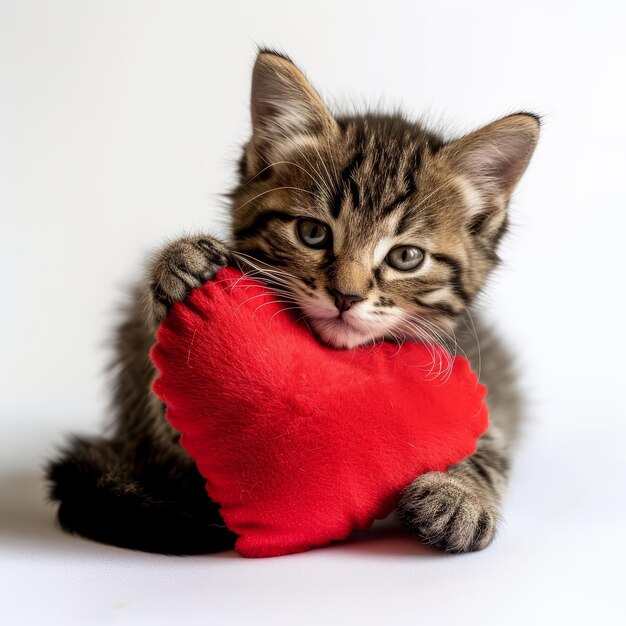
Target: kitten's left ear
[
  {"x": 487, "y": 164},
  {"x": 284, "y": 105},
  {"x": 494, "y": 157}
]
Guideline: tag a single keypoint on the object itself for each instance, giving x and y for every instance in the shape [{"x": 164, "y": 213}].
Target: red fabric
[{"x": 301, "y": 444}]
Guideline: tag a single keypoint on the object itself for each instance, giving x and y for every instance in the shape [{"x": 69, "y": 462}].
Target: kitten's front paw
[
  {"x": 179, "y": 267},
  {"x": 448, "y": 513}
]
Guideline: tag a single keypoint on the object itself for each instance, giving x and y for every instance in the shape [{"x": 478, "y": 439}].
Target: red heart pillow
[{"x": 301, "y": 444}]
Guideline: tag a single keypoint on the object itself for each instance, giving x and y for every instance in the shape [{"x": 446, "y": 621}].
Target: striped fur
[{"x": 375, "y": 182}]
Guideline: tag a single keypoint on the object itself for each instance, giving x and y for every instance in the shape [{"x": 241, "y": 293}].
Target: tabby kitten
[{"x": 375, "y": 228}]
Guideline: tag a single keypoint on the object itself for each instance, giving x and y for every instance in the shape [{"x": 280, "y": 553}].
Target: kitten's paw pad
[
  {"x": 181, "y": 266},
  {"x": 447, "y": 513}
]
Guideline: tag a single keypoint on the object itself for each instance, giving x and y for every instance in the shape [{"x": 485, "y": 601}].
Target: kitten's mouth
[
  {"x": 338, "y": 332},
  {"x": 342, "y": 319}
]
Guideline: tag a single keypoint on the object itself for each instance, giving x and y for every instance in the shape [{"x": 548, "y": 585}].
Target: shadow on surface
[
  {"x": 28, "y": 519},
  {"x": 386, "y": 538},
  {"x": 28, "y": 522}
]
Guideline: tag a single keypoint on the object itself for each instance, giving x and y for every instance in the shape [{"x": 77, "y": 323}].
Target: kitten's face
[{"x": 373, "y": 228}]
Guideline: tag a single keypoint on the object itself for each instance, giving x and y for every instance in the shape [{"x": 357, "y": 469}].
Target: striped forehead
[{"x": 375, "y": 184}]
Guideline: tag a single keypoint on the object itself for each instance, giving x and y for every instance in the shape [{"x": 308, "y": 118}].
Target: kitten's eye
[
  {"x": 314, "y": 234},
  {"x": 405, "y": 258}
]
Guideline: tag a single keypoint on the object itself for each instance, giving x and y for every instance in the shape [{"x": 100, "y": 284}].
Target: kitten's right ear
[{"x": 284, "y": 105}]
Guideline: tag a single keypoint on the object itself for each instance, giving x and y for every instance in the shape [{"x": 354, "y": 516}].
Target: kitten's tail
[{"x": 150, "y": 506}]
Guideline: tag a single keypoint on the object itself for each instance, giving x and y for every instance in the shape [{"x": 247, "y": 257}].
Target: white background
[{"x": 119, "y": 125}]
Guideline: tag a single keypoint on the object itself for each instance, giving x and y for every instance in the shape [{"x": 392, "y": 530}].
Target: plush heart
[{"x": 301, "y": 444}]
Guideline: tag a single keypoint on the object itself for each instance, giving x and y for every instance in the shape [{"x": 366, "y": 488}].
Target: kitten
[{"x": 376, "y": 229}]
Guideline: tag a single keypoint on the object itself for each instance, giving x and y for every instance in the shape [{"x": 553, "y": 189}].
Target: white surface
[{"x": 118, "y": 126}]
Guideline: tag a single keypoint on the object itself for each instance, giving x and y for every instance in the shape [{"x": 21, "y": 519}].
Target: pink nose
[{"x": 345, "y": 301}]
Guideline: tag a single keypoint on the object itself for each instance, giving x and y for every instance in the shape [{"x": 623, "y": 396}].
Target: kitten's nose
[{"x": 345, "y": 301}]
